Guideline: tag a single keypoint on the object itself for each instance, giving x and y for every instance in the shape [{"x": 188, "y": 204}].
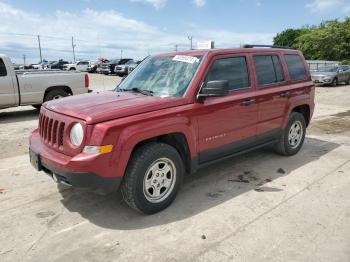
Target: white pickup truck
[
  {"x": 19, "y": 88},
  {"x": 82, "y": 66}
]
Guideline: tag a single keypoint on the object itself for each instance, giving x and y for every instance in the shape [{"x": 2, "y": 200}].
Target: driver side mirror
[{"x": 214, "y": 88}]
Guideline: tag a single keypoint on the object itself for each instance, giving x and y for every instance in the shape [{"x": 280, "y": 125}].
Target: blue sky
[{"x": 140, "y": 27}]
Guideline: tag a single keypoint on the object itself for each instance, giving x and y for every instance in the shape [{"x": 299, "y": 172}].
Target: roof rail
[{"x": 270, "y": 46}]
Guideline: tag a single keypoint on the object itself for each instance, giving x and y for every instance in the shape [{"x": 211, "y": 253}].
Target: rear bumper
[{"x": 82, "y": 171}]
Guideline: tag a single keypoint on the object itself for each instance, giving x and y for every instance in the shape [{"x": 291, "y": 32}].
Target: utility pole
[
  {"x": 24, "y": 60},
  {"x": 73, "y": 46},
  {"x": 121, "y": 53},
  {"x": 175, "y": 48},
  {"x": 190, "y": 38},
  {"x": 41, "y": 58}
]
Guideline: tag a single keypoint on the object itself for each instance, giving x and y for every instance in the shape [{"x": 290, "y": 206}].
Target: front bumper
[
  {"x": 105, "y": 71},
  {"x": 322, "y": 80},
  {"x": 76, "y": 172}
]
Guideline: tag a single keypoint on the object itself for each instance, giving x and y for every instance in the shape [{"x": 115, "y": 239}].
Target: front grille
[
  {"x": 118, "y": 68},
  {"x": 51, "y": 131}
]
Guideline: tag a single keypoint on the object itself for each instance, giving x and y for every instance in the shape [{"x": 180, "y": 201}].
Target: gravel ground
[{"x": 254, "y": 207}]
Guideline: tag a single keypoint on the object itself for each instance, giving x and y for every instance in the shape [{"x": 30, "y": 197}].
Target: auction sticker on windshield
[{"x": 186, "y": 59}]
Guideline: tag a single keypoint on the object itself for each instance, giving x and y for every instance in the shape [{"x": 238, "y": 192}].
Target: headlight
[{"x": 77, "y": 134}]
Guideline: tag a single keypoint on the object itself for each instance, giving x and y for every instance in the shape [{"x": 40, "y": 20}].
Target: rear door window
[
  {"x": 296, "y": 67},
  {"x": 233, "y": 69},
  {"x": 268, "y": 69},
  {"x": 3, "y": 71}
]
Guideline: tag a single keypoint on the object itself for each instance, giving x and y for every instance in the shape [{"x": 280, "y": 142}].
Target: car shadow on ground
[
  {"x": 25, "y": 114},
  {"x": 208, "y": 188}
]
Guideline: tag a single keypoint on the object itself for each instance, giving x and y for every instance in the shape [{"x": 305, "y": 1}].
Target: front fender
[{"x": 132, "y": 135}]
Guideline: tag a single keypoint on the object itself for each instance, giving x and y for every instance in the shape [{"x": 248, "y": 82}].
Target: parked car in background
[
  {"x": 133, "y": 66},
  {"x": 94, "y": 66},
  {"x": 82, "y": 66},
  {"x": 332, "y": 75},
  {"x": 57, "y": 65},
  {"x": 109, "y": 67},
  {"x": 178, "y": 112},
  {"x": 16, "y": 66},
  {"x": 122, "y": 70},
  {"x": 36, "y": 87}
]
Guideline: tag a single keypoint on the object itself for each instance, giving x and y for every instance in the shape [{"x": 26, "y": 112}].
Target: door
[
  {"x": 227, "y": 124},
  {"x": 7, "y": 89},
  {"x": 272, "y": 95},
  {"x": 345, "y": 73}
]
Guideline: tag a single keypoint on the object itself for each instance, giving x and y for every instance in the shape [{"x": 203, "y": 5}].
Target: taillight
[{"x": 87, "y": 81}]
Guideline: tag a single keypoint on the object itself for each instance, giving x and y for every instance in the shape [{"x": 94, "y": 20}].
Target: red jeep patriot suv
[{"x": 173, "y": 114}]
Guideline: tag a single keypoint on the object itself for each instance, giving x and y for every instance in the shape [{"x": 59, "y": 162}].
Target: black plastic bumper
[{"x": 85, "y": 180}]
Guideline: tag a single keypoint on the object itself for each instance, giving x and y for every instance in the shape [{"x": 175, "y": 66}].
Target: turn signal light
[{"x": 98, "y": 149}]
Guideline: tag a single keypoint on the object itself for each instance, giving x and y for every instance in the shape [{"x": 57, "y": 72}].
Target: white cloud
[
  {"x": 100, "y": 33},
  {"x": 324, "y": 5},
  {"x": 200, "y": 3},
  {"x": 156, "y": 3}
]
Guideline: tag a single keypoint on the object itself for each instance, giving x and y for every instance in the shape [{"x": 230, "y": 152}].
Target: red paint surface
[{"x": 125, "y": 119}]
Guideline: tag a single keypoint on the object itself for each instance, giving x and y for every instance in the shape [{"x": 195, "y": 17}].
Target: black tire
[
  {"x": 72, "y": 68},
  {"x": 334, "y": 82},
  {"x": 284, "y": 146},
  {"x": 132, "y": 188},
  {"x": 55, "y": 94},
  {"x": 37, "y": 107},
  {"x": 348, "y": 81}
]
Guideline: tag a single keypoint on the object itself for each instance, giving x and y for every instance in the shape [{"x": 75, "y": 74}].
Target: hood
[
  {"x": 108, "y": 105},
  {"x": 319, "y": 73}
]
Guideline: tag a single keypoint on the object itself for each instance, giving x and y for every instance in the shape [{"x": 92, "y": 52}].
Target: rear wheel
[
  {"x": 348, "y": 81},
  {"x": 153, "y": 178},
  {"x": 293, "y": 135},
  {"x": 55, "y": 94}
]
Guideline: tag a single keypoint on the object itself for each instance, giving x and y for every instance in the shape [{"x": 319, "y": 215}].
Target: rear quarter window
[
  {"x": 296, "y": 67},
  {"x": 3, "y": 71}
]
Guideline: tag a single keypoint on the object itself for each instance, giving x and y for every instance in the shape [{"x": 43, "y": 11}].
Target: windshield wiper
[
  {"x": 136, "y": 90},
  {"x": 141, "y": 91}
]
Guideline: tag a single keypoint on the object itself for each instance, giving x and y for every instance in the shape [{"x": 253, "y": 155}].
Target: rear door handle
[
  {"x": 285, "y": 94},
  {"x": 248, "y": 102}
]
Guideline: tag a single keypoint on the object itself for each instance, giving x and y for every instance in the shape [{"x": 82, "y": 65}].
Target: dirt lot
[{"x": 255, "y": 207}]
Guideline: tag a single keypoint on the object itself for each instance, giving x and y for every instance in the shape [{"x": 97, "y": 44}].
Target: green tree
[
  {"x": 289, "y": 37},
  {"x": 329, "y": 41}
]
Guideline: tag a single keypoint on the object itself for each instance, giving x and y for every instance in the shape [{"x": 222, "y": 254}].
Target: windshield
[
  {"x": 163, "y": 75},
  {"x": 130, "y": 62},
  {"x": 114, "y": 61},
  {"x": 328, "y": 69}
]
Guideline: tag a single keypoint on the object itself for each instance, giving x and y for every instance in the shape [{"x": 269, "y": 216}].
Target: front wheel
[
  {"x": 293, "y": 135},
  {"x": 153, "y": 178},
  {"x": 334, "y": 82}
]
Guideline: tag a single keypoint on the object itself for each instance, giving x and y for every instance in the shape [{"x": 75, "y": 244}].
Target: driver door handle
[
  {"x": 248, "y": 102},
  {"x": 285, "y": 94}
]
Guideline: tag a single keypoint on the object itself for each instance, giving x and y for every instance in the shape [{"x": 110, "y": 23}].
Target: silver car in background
[{"x": 332, "y": 75}]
